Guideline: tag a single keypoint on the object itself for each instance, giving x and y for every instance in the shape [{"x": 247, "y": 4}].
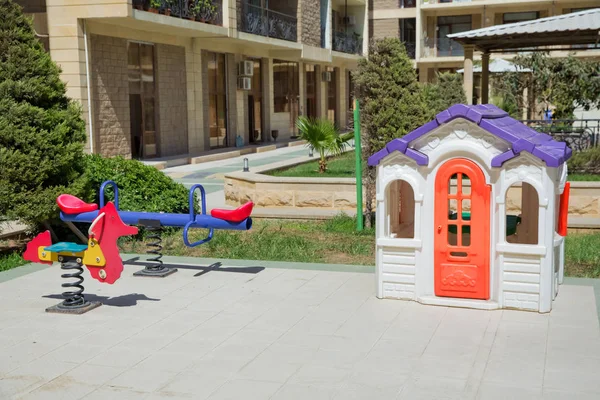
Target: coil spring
[
  {"x": 154, "y": 246},
  {"x": 73, "y": 298}
]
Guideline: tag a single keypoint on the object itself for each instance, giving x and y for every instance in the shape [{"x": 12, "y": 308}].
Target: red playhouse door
[{"x": 462, "y": 231}]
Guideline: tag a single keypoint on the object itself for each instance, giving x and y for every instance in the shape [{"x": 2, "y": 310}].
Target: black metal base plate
[
  {"x": 61, "y": 309},
  {"x": 162, "y": 273}
]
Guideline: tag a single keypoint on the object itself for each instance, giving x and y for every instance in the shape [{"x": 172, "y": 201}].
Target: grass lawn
[
  {"x": 11, "y": 260},
  {"x": 333, "y": 241},
  {"x": 583, "y": 177},
  {"x": 337, "y": 167}
]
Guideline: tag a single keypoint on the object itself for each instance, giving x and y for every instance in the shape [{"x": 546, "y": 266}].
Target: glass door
[
  {"x": 217, "y": 100},
  {"x": 142, "y": 100}
]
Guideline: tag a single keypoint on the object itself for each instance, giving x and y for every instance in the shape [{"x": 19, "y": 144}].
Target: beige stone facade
[
  {"x": 424, "y": 24},
  {"x": 310, "y": 22},
  {"x": 90, "y": 40},
  {"x": 110, "y": 93},
  {"x": 383, "y": 28},
  {"x": 171, "y": 82}
]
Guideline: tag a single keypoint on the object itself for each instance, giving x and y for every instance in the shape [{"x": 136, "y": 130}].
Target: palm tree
[{"x": 323, "y": 137}]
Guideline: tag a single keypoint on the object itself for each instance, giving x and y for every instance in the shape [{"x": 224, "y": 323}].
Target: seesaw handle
[
  {"x": 193, "y": 217},
  {"x": 198, "y": 243},
  {"x": 115, "y": 189},
  {"x": 202, "y": 199}
]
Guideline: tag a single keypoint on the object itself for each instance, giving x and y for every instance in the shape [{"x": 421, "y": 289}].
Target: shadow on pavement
[
  {"x": 202, "y": 270},
  {"x": 127, "y": 300}
]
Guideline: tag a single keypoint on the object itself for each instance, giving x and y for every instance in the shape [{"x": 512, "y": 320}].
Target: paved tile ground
[{"x": 286, "y": 334}]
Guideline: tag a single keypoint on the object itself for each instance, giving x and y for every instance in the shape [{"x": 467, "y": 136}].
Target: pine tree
[
  {"x": 391, "y": 103},
  {"x": 42, "y": 133}
]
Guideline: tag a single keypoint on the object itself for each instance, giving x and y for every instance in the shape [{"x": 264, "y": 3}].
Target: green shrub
[
  {"x": 42, "y": 133},
  {"x": 141, "y": 187},
  {"x": 587, "y": 161}
]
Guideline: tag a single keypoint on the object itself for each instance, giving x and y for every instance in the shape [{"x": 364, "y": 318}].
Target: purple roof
[{"x": 493, "y": 120}]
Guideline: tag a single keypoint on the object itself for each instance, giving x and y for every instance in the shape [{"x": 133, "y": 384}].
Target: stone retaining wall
[
  {"x": 340, "y": 193},
  {"x": 271, "y": 191}
]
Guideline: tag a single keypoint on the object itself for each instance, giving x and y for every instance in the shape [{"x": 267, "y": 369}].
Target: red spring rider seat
[
  {"x": 237, "y": 215},
  {"x": 70, "y": 204}
]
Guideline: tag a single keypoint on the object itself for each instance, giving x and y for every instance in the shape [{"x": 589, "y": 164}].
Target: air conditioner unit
[
  {"x": 326, "y": 76},
  {"x": 244, "y": 83},
  {"x": 246, "y": 68}
]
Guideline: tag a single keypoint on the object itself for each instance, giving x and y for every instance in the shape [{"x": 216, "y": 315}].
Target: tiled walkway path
[{"x": 286, "y": 334}]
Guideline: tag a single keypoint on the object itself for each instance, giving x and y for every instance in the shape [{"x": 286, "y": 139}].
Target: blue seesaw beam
[{"x": 185, "y": 221}]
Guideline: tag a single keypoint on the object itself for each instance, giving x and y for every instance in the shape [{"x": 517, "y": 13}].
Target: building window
[
  {"x": 522, "y": 214},
  {"x": 217, "y": 100},
  {"x": 408, "y": 3},
  {"x": 408, "y": 35},
  {"x": 509, "y": 18},
  {"x": 401, "y": 210},
  {"x": 285, "y": 85},
  {"x": 449, "y": 25},
  {"x": 142, "y": 100}
]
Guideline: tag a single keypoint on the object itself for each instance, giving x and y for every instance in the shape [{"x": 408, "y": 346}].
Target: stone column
[
  {"x": 205, "y": 101},
  {"x": 341, "y": 97},
  {"x": 323, "y": 92},
  {"x": 485, "y": 77},
  {"x": 232, "y": 100},
  {"x": 196, "y": 132},
  {"x": 241, "y": 97},
  {"x": 468, "y": 73},
  {"x": 265, "y": 66},
  {"x": 318, "y": 91},
  {"x": 302, "y": 89}
]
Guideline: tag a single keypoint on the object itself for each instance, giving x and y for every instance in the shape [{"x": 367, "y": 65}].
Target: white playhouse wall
[{"x": 522, "y": 276}]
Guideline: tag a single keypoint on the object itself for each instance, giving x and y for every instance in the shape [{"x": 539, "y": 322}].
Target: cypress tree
[
  {"x": 42, "y": 134},
  {"x": 391, "y": 103}
]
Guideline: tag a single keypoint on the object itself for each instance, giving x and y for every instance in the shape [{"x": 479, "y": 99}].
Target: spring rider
[{"x": 100, "y": 254}]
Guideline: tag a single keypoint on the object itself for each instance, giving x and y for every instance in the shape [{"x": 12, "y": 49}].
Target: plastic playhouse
[{"x": 471, "y": 212}]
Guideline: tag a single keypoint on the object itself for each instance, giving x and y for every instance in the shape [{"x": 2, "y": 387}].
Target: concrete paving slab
[{"x": 286, "y": 333}]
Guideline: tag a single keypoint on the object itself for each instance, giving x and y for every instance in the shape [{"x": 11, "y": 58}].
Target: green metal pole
[{"x": 358, "y": 154}]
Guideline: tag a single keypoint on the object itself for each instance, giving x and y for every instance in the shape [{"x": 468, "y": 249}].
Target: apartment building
[
  {"x": 424, "y": 25},
  {"x": 176, "y": 78}
]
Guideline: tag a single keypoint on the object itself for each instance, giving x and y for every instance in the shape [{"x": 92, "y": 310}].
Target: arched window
[
  {"x": 401, "y": 210},
  {"x": 522, "y": 214}
]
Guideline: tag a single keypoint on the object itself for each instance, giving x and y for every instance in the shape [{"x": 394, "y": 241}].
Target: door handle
[{"x": 439, "y": 229}]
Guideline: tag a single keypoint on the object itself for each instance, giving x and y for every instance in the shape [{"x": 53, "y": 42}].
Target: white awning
[{"x": 499, "y": 65}]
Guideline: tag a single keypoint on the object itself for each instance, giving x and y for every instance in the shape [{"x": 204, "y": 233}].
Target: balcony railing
[
  {"x": 198, "y": 10},
  {"x": 442, "y": 47},
  {"x": 265, "y": 22},
  {"x": 350, "y": 43},
  {"x": 580, "y": 134}
]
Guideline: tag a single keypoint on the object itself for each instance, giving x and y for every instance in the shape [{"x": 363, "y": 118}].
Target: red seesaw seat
[
  {"x": 70, "y": 204},
  {"x": 237, "y": 215}
]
